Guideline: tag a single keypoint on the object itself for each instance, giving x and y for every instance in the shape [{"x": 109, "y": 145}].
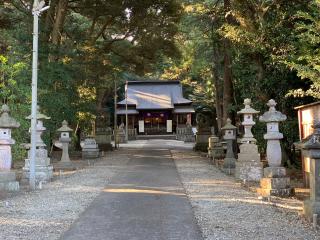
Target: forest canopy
[{"x": 221, "y": 50}]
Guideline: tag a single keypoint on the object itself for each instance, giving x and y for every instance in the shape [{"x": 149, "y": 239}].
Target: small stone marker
[
  {"x": 275, "y": 181},
  {"x": 229, "y": 136},
  {"x": 63, "y": 144},
  {"x": 43, "y": 167},
  {"x": 311, "y": 150},
  {"x": 7, "y": 177},
  {"x": 248, "y": 167},
  {"x": 90, "y": 148}
]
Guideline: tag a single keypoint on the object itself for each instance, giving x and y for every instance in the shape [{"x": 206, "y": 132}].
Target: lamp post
[
  {"x": 38, "y": 8},
  {"x": 126, "y": 90},
  {"x": 115, "y": 114}
]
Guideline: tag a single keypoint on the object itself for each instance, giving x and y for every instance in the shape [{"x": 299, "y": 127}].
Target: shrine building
[{"x": 155, "y": 107}]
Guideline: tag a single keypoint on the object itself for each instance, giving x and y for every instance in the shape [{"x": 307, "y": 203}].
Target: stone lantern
[
  {"x": 248, "y": 122},
  {"x": 229, "y": 136},
  {"x": 63, "y": 144},
  {"x": 311, "y": 150},
  {"x": 7, "y": 177},
  {"x": 43, "y": 168},
  {"x": 249, "y": 167},
  {"x": 275, "y": 181}
]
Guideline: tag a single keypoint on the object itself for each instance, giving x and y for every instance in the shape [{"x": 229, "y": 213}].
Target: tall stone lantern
[
  {"x": 229, "y": 136},
  {"x": 275, "y": 182},
  {"x": 249, "y": 167},
  {"x": 311, "y": 150},
  {"x": 7, "y": 177},
  {"x": 43, "y": 168},
  {"x": 63, "y": 143},
  {"x": 248, "y": 112}
]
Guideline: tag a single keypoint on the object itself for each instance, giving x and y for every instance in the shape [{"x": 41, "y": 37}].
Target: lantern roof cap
[
  {"x": 272, "y": 115},
  {"x": 247, "y": 108},
  {"x": 64, "y": 127},
  {"x": 228, "y": 125},
  {"x": 5, "y": 120},
  {"x": 40, "y": 115}
]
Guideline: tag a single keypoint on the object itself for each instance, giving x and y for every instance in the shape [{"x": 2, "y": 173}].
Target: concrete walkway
[{"x": 145, "y": 201}]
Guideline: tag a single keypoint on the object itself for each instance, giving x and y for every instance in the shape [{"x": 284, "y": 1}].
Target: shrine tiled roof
[{"x": 155, "y": 95}]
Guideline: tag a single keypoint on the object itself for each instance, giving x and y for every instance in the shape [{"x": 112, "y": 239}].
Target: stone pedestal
[
  {"x": 7, "y": 177},
  {"x": 275, "y": 182},
  {"x": 90, "y": 148},
  {"x": 249, "y": 167},
  {"x": 43, "y": 168}
]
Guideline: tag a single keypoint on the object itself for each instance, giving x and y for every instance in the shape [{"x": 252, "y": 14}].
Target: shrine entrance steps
[{"x": 165, "y": 137}]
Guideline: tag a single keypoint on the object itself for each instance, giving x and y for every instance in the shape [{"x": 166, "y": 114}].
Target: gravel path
[
  {"x": 47, "y": 213},
  {"x": 224, "y": 210}
]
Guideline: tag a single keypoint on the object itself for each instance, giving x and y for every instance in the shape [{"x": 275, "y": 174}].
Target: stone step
[
  {"x": 275, "y": 183},
  {"x": 284, "y": 192},
  {"x": 149, "y": 137}
]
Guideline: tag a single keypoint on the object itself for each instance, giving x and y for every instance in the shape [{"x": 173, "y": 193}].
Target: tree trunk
[
  {"x": 227, "y": 77},
  {"x": 61, "y": 12},
  {"x": 219, "y": 89}
]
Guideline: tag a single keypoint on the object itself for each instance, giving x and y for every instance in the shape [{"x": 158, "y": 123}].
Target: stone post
[
  {"x": 275, "y": 182},
  {"x": 229, "y": 136},
  {"x": 43, "y": 167},
  {"x": 311, "y": 150},
  {"x": 7, "y": 177},
  {"x": 248, "y": 167},
  {"x": 63, "y": 144}
]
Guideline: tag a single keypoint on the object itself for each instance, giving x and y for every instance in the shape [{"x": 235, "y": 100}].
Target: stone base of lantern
[
  {"x": 275, "y": 183},
  {"x": 43, "y": 168},
  {"x": 8, "y": 181},
  {"x": 43, "y": 173},
  {"x": 229, "y": 165},
  {"x": 249, "y": 167},
  {"x": 311, "y": 207}
]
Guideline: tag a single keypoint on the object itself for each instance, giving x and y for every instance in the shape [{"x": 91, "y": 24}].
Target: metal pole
[
  {"x": 36, "y": 11},
  {"x": 115, "y": 114},
  {"x": 126, "y": 111}
]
